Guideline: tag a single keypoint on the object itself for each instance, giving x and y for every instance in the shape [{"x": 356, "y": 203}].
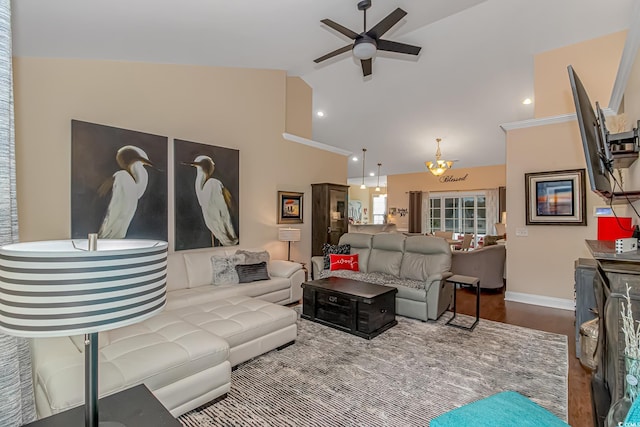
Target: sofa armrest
[
  {"x": 438, "y": 277},
  {"x": 317, "y": 265},
  {"x": 281, "y": 268}
]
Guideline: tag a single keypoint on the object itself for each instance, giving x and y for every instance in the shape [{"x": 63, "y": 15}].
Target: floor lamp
[
  {"x": 289, "y": 235},
  {"x": 72, "y": 287}
]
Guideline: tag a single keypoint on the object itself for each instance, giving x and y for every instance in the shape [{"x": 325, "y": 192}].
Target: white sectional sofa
[{"x": 184, "y": 354}]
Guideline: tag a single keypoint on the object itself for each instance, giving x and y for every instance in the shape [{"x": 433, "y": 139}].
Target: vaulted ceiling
[{"x": 474, "y": 70}]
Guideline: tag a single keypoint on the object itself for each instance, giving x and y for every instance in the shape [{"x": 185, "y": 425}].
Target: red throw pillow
[{"x": 343, "y": 262}]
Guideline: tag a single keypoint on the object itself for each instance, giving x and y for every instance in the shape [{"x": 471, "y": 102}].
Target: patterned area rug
[{"x": 406, "y": 376}]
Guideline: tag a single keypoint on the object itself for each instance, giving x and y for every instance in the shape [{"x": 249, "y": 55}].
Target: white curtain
[
  {"x": 426, "y": 213},
  {"x": 16, "y": 388},
  {"x": 492, "y": 203}
]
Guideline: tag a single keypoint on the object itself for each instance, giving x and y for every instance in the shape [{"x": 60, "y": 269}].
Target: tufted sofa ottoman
[
  {"x": 185, "y": 366},
  {"x": 250, "y": 326}
]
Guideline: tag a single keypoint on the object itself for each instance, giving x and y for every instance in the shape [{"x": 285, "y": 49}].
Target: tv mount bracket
[{"x": 620, "y": 149}]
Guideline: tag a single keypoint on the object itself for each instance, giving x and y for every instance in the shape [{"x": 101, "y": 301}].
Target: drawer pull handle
[{"x": 333, "y": 299}]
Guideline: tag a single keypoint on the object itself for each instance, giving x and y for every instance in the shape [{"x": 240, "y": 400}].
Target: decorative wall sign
[
  {"x": 207, "y": 193},
  {"x": 290, "y": 207},
  {"x": 118, "y": 183},
  {"x": 556, "y": 198},
  {"x": 448, "y": 178}
]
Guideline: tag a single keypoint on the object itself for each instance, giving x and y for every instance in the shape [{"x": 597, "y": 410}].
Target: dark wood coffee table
[{"x": 359, "y": 308}]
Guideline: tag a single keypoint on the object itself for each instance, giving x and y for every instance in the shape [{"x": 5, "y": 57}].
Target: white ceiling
[{"x": 475, "y": 67}]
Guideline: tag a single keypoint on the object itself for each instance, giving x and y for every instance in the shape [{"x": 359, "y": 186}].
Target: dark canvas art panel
[
  {"x": 118, "y": 182},
  {"x": 207, "y": 194}
]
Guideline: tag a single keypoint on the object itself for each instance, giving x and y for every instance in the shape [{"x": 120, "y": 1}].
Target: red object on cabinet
[{"x": 610, "y": 229}]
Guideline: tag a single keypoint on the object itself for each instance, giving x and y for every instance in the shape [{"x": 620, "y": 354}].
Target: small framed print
[{"x": 290, "y": 207}]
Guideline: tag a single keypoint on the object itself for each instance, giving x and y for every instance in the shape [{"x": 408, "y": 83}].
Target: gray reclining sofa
[{"x": 416, "y": 265}]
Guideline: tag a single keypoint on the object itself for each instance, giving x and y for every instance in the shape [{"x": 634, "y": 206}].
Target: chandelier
[{"x": 439, "y": 166}]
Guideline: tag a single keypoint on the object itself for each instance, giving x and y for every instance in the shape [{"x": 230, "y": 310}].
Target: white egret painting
[
  {"x": 206, "y": 195},
  {"x": 118, "y": 183}
]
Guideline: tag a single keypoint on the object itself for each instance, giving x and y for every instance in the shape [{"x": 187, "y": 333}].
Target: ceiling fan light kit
[
  {"x": 439, "y": 166},
  {"x": 367, "y": 43},
  {"x": 365, "y": 48}
]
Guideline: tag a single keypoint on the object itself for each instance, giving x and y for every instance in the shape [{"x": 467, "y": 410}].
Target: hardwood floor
[{"x": 494, "y": 307}]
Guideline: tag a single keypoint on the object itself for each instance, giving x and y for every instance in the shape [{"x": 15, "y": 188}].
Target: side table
[
  {"x": 456, "y": 280},
  {"x": 135, "y": 406}
]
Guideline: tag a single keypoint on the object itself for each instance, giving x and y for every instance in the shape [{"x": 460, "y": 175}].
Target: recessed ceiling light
[
  {"x": 354, "y": 158},
  {"x": 372, "y": 174},
  {"x": 320, "y": 113},
  {"x": 527, "y": 101}
]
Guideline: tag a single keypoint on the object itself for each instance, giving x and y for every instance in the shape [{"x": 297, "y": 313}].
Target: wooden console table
[{"x": 613, "y": 273}]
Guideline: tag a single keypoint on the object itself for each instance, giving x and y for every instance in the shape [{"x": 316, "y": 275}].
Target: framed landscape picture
[
  {"x": 556, "y": 198},
  {"x": 289, "y": 207}
]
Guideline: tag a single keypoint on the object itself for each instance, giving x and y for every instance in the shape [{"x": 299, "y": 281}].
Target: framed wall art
[
  {"x": 207, "y": 195},
  {"x": 118, "y": 183},
  {"x": 290, "y": 207},
  {"x": 556, "y": 197}
]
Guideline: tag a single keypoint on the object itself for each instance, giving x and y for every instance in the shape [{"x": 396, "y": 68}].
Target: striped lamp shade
[{"x": 60, "y": 288}]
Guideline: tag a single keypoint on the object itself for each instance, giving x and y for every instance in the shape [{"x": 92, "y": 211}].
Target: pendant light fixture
[
  {"x": 439, "y": 166},
  {"x": 378, "y": 186},
  {"x": 364, "y": 152}
]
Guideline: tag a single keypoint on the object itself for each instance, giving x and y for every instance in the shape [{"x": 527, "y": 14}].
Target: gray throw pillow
[
  {"x": 328, "y": 249},
  {"x": 254, "y": 257},
  {"x": 252, "y": 272},
  {"x": 224, "y": 272}
]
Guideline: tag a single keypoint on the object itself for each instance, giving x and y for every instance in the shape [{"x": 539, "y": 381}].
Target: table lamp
[
  {"x": 70, "y": 287},
  {"x": 289, "y": 235}
]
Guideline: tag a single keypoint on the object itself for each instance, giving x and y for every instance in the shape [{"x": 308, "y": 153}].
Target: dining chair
[
  {"x": 465, "y": 245},
  {"x": 448, "y": 235}
]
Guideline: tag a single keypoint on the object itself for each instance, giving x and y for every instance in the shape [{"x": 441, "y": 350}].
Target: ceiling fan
[{"x": 368, "y": 42}]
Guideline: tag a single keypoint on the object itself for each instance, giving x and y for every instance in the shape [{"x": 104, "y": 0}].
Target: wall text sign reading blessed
[{"x": 449, "y": 178}]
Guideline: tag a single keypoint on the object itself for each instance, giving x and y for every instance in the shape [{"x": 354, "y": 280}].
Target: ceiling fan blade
[
  {"x": 339, "y": 28},
  {"x": 334, "y": 53},
  {"x": 390, "y": 46},
  {"x": 385, "y": 25},
  {"x": 366, "y": 67}
]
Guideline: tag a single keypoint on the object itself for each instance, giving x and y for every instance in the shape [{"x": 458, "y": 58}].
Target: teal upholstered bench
[{"x": 506, "y": 409}]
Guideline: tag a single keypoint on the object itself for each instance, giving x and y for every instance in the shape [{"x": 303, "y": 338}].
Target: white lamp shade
[
  {"x": 59, "y": 288},
  {"x": 289, "y": 234},
  {"x": 364, "y": 49}
]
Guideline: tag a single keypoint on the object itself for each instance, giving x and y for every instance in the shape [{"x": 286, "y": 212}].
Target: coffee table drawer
[{"x": 333, "y": 308}]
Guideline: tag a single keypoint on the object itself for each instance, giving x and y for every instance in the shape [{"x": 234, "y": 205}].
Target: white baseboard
[{"x": 561, "y": 303}]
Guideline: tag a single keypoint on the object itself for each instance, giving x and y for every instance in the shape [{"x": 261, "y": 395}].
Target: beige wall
[
  {"x": 632, "y": 111},
  {"x": 596, "y": 63},
  {"x": 299, "y": 115},
  {"x": 453, "y": 180},
  {"x": 542, "y": 263},
  {"x": 237, "y": 108}
]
